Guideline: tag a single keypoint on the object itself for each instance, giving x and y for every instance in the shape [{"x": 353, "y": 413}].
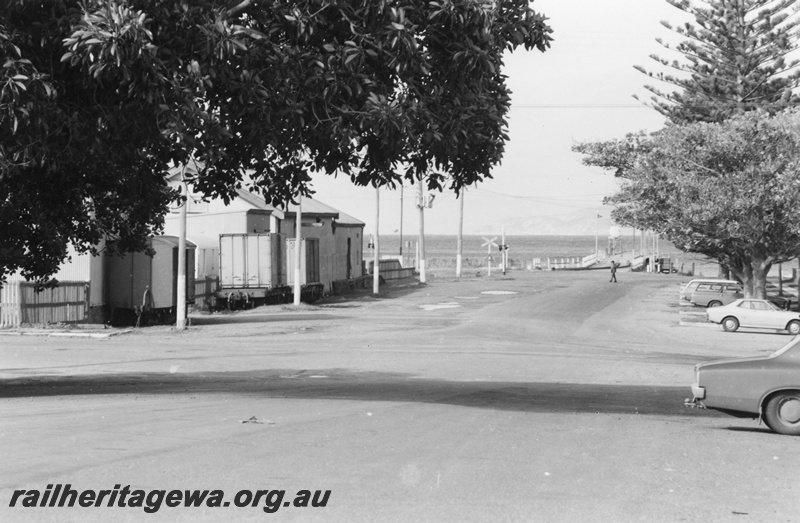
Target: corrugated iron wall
[{"x": 76, "y": 269}]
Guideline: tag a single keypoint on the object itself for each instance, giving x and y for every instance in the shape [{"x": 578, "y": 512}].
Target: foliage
[
  {"x": 727, "y": 190},
  {"x": 99, "y": 98},
  {"x": 736, "y": 59}
]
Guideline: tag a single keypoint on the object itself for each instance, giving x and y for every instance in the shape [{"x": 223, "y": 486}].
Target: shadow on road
[
  {"x": 341, "y": 384},
  {"x": 763, "y": 429},
  {"x": 256, "y": 317}
]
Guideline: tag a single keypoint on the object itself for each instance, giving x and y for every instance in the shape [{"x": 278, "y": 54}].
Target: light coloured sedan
[{"x": 755, "y": 314}]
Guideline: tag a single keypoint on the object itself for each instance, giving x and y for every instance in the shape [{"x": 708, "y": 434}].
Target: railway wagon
[
  {"x": 253, "y": 269},
  {"x": 144, "y": 289}
]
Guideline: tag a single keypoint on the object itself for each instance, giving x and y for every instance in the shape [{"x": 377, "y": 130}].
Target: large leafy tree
[
  {"x": 736, "y": 57},
  {"x": 99, "y": 98},
  {"x": 728, "y": 190}
]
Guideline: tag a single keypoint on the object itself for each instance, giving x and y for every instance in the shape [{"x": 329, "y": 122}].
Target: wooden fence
[
  {"x": 204, "y": 292},
  {"x": 20, "y": 303}
]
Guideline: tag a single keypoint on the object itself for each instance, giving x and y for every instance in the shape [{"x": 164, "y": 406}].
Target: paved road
[{"x": 536, "y": 397}]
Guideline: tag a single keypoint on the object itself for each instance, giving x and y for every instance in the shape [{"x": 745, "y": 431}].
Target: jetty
[{"x": 603, "y": 261}]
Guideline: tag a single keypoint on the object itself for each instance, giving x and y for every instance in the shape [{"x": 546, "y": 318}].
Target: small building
[
  {"x": 340, "y": 239},
  {"x": 205, "y": 221}
]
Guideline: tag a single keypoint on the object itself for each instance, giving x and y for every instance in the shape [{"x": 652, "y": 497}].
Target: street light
[{"x": 596, "y": 234}]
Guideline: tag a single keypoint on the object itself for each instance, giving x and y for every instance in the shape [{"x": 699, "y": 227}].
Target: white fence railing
[
  {"x": 565, "y": 263},
  {"x": 11, "y": 304}
]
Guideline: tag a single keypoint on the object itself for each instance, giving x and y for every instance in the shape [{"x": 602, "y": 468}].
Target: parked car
[
  {"x": 689, "y": 288},
  {"x": 781, "y": 302},
  {"x": 716, "y": 294},
  {"x": 766, "y": 387},
  {"x": 756, "y": 314}
]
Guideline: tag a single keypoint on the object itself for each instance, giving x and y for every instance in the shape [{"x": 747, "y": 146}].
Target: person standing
[{"x": 614, "y": 266}]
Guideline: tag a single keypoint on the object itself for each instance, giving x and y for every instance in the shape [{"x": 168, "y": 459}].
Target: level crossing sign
[{"x": 489, "y": 243}]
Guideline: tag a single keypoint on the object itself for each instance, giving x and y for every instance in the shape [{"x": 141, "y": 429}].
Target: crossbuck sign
[{"x": 489, "y": 243}]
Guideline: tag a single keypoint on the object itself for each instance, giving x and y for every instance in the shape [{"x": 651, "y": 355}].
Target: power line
[
  {"x": 635, "y": 106},
  {"x": 573, "y": 203},
  {"x": 580, "y": 106}
]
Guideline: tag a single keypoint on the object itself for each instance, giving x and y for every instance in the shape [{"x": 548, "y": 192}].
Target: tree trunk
[
  {"x": 724, "y": 271},
  {"x": 744, "y": 273},
  {"x": 760, "y": 269}
]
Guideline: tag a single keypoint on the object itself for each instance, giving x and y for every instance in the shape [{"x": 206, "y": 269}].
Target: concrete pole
[
  {"x": 489, "y": 259},
  {"x": 596, "y": 233},
  {"x": 401, "y": 226},
  {"x": 421, "y": 205},
  {"x": 376, "y": 278},
  {"x": 503, "y": 252},
  {"x": 460, "y": 240},
  {"x": 297, "y": 249},
  {"x": 180, "y": 306}
]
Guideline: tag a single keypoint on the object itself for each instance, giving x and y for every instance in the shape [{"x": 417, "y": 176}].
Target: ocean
[{"x": 440, "y": 250}]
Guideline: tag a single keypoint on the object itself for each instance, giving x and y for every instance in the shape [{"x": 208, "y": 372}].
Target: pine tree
[{"x": 736, "y": 59}]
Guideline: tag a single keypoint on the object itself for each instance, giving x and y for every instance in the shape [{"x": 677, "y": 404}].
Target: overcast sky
[{"x": 579, "y": 90}]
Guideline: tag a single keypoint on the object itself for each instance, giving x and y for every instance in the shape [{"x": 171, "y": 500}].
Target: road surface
[{"x": 539, "y": 396}]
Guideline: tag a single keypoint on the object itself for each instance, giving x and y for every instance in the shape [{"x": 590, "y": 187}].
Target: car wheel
[
  {"x": 782, "y": 413},
  {"x": 793, "y": 327},
  {"x": 730, "y": 324},
  {"x": 714, "y": 303}
]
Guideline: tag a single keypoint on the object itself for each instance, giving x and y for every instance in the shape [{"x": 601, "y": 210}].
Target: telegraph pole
[
  {"x": 460, "y": 241},
  {"x": 376, "y": 254},
  {"x": 596, "y": 233},
  {"x": 180, "y": 306},
  {"x": 298, "y": 225},
  {"x": 503, "y": 252},
  {"x": 421, "y": 206},
  {"x": 401, "y": 224}
]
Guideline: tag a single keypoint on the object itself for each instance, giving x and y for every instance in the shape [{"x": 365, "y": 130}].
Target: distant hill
[{"x": 577, "y": 223}]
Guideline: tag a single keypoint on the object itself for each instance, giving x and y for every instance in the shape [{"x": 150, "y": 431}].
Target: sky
[{"x": 581, "y": 89}]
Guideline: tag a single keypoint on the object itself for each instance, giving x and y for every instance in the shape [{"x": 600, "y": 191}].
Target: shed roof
[
  {"x": 251, "y": 199},
  {"x": 315, "y": 207},
  {"x": 346, "y": 219}
]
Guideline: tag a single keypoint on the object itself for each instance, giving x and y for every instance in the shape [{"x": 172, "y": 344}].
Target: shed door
[{"x": 349, "y": 262}]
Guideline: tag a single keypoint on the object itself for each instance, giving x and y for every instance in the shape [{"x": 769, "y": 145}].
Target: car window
[
  {"x": 760, "y": 306},
  {"x": 716, "y": 287},
  {"x": 745, "y": 304},
  {"x": 731, "y": 289},
  {"x": 703, "y": 287}
]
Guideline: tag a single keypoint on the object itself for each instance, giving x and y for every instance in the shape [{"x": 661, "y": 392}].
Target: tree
[
  {"x": 728, "y": 190},
  {"x": 736, "y": 59},
  {"x": 99, "y": 98}
]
